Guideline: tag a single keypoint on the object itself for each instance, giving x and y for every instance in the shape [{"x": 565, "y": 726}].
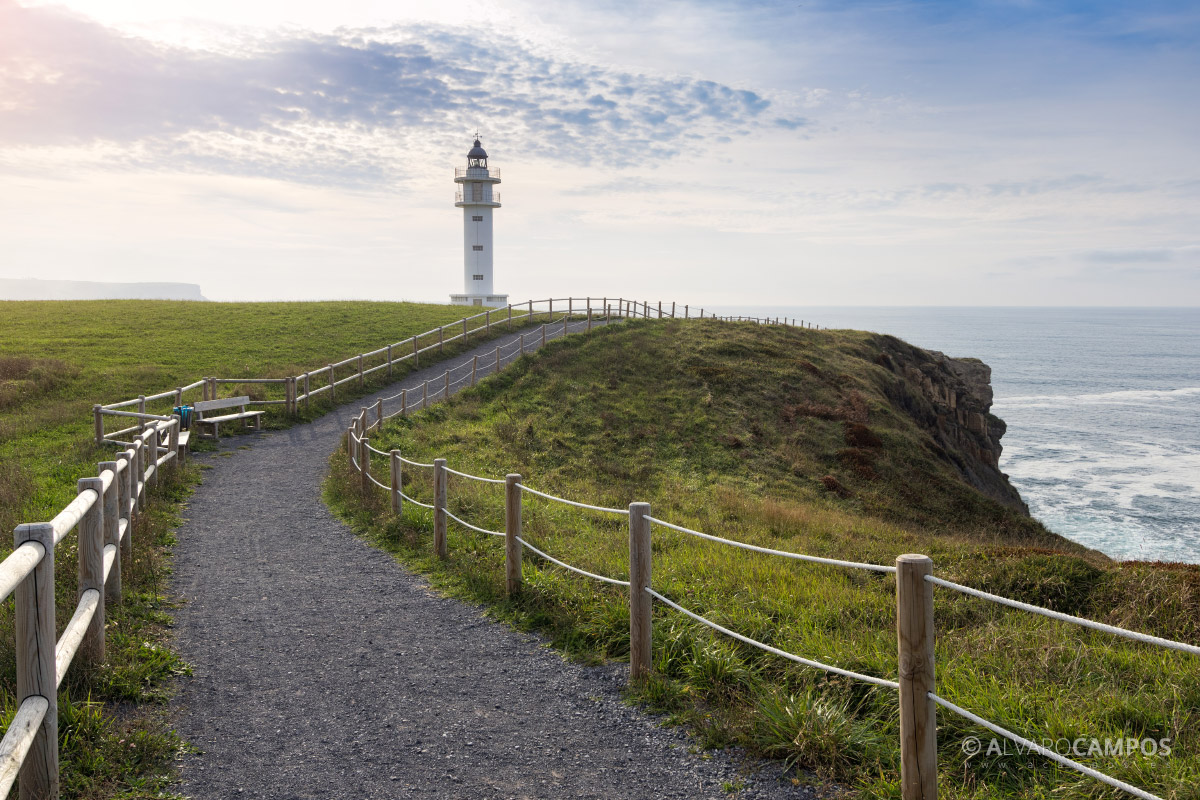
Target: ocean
[{"x": 1102, "y": 406}]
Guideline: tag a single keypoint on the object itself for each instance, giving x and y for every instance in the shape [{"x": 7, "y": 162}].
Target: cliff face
[{"x": 952, "y": 398}]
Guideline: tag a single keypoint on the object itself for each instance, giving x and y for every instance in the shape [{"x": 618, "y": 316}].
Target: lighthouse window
[
  {"x": 476, "y": 219},
  {"x": 476, "y": 277},
  {"x": 476, "y": 247}
]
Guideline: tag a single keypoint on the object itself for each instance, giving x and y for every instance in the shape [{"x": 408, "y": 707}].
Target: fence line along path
[{"x": 323, "y": 669}]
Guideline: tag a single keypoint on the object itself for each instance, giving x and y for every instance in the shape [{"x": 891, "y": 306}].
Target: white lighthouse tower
[{"x": 476, "y": 199}]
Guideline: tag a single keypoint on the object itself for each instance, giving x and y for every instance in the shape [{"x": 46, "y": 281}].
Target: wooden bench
[{"x": 201, "y": 407}]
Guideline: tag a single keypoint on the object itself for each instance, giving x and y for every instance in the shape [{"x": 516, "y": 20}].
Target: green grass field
[
  {"x": 687, "y": 416},
  {"x": 57, "y": 359}
]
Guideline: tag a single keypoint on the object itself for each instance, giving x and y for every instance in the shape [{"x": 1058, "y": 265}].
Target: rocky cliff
[{"x": 952, "y": 398}]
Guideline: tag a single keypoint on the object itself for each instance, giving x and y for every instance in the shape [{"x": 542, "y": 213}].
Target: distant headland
[{"x": 34, "y": 289}]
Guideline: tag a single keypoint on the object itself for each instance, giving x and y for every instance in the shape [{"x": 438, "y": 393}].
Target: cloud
[
  {"x": 790, "y": 124},
  {"x": 339, "y": 107},
  {"x": 1158, "y": 255}
]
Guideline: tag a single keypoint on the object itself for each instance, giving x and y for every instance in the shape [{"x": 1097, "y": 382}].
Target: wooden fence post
[
  {"x": 389, "y": 357},
  {"x": 672, "y": 309},
  {"x": 114, "y": 512},
  {"x": 543, "y": 334},
  {"x": 36, "y": 674},
  {"x": 364, "y": 464},
  {"x": 439, "y": 507},
  {"x": 918, "y": 713},
  {"x": 128, "y": 511},
  {"x": 362, "y": 378},
  {"x": 530, "y": 318},
  {"x": 550, "y": 312},
  {"x": 446, "y": 387},
  {"x": 379, "y": 415},
  {"x": 332, "y": 384},
  {"x": 98, "y": 421},
  {"x": 153, "y": 435},
  {"x": 425, "y": 394},
  {"x": 497, "y": 359},
  {"x": 464, "y": 330},
  {"x": 640, "y": 603},
  {"x": 512, "y": 530},
  {"x": 685, "y": 312},
  {"x": 91, "y": 567},
  {"x": 589, "y": 327},
  {"x": 474, "y": 368},
  {"x": 522, "y": 344},
  {"x": 404, "y": 402},
  {"x": 141, "y": 410},
  {"x": 139, "y": 474},
  {"x": 397, "y": 483},
  {"x": 173, "y": 436},
  {"x": 351, "y": 444},
  {"x": 660, "y": 309}
]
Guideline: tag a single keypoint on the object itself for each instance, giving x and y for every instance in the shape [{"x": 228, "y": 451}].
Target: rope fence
[
  {"x": 567, "y": 566},
  {"x": 768, "y": 551},
  {"x": 1058, "y": 615},
  {"x": 775, "y": 650},
  {"x": 914, "y": 598},
  {"x": 1037, "y": 748}
]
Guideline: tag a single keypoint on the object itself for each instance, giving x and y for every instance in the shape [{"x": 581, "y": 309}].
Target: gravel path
[{"x": 323, "y": 669}]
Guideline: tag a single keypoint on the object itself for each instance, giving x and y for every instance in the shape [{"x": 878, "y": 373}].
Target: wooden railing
[
  {"x": 915, "y": 582},
  {"x": 103, "y": 512}
]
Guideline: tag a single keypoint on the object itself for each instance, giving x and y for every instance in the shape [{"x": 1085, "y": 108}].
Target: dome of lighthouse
[{"x": 477, "y": 151}]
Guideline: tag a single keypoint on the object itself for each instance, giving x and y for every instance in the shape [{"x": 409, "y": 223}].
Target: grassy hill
[
  {"x": 803, "y": 441},
  {"x": 59, "y": 358}
]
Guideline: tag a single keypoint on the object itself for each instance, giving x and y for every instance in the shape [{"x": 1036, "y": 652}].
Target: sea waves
[{"x": 1127, "y": 397}]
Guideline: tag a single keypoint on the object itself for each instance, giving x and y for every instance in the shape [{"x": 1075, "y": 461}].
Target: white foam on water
[
  {"x": 1100, "y": 497},
  {"x": 1136, "y": 470},
  {"x": 1126, "y": 397}
]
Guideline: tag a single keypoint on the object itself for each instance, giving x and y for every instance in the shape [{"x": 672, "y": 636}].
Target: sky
[{"x": 700, "y": 151}]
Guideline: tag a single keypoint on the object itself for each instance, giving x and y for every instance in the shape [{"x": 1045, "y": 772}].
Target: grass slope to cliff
[
  {"x": 59, "y": 358},
  {"x": 788, "y": 438}
]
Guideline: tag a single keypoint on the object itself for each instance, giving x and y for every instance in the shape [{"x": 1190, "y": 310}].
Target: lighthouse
[{"x": 475, "y": 196}]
